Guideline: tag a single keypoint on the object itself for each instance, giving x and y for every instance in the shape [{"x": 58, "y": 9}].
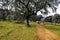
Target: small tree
[{"x": 57, "y": 17}]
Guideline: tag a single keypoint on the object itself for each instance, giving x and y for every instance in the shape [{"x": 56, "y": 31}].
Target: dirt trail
[{"x": 44, "y": 34}]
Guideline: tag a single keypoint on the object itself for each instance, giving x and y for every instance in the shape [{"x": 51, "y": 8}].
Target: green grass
[
  {"x": 13, "y": 31},
  {"x": 52, "y": 27}
]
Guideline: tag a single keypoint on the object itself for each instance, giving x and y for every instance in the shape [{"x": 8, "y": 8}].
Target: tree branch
[{"x": 22, "y": 2}]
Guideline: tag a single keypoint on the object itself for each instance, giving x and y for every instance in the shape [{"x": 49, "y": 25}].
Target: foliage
[
  {"x": 53, "y": 19},
  {"x": 27, "y": 7},
  {"x": 36, "y": 18},
  {"x": 48, "y": 19}
]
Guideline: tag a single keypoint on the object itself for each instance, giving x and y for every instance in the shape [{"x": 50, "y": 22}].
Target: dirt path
[{"x": 44, "y": 34}]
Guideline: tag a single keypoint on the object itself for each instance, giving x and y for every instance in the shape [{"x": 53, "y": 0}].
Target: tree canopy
[{"x": 28, "y": 7}]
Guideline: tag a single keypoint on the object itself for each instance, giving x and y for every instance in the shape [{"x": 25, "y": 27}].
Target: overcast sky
[{"x": 50, "y": 10}]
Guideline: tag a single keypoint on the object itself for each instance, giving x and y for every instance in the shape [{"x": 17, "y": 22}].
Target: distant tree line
[
  {"x": 10, "y": 15},
  {"x": 53, "y": 19}
]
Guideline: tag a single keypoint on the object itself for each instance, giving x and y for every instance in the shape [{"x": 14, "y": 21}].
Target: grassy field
[
  {"x": 52, "y": 27},
  {"x": 13, "y": 31}
]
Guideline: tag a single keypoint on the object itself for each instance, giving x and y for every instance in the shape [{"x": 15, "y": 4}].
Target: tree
[
  {"x": 3, "y": 14},
  {"x": 57, "y": 18},
  {"x": 29, "y": 7},
  {"x": 49, "y": 19},
  {"x": 36, "y": 18}
]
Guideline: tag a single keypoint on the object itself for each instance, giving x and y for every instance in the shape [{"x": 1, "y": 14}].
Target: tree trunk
[{"x": 27, "y": 20}]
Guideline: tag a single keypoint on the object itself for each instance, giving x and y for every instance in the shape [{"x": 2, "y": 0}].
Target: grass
[
  {"x": 13, "y": 31},
  {"x": 52, "y": 27}
]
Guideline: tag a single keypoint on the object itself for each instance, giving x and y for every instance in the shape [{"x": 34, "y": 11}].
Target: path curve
[{"x": 44, "y": 34}]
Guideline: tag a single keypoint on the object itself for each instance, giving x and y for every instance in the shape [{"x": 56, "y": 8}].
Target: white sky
[
  {"x": 50, "y": 10},
  {"x": 58, "y": 9}
]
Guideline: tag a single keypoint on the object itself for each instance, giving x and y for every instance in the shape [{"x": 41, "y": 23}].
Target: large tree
[{"x": 29, "y": 7}]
